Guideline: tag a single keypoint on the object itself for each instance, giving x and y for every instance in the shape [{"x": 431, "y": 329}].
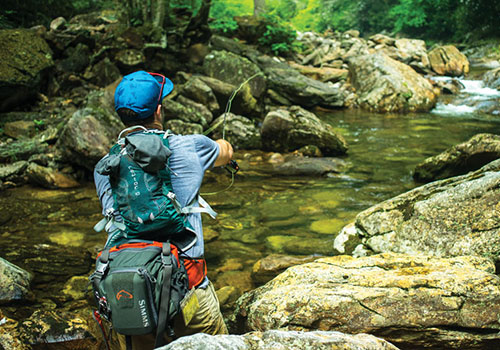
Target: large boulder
[
  {"x": 448, "y": 60},
  {"x": 292, "y": 128},
  {"x": 24, "y": 59},
  {"x": 492, "y": 78},
  {"x": 460, "y": 159},
  {"x": 91, "y": 131},
  {"x": 14, "y": 282},
  {"x": 412, "y": 301},
  {"x": 281, "y": 340},
  {"x": 451, "y": 217},
  {"x": 235, "y": 70},
  {"x": 386, "y": 85},
  {"x": 239, "y": 131},
  {"x": 198, "y": 91}
]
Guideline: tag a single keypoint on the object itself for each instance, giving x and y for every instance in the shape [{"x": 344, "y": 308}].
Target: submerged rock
[
  {"x": 292, "y": 128},
  {"x": 14, "y": 282},
  {"x": 298, "y": 166},
  {"x": 460, "y": 159},
  {"x": 451, "y": 217},
  {"x": 386, "y": 85},
  {"x": 281, "y": 340},
  {"x": 411, "y": 301}
]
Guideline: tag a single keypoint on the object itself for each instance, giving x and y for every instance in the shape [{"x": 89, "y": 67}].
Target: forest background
[{"x": 463, "y": 21}]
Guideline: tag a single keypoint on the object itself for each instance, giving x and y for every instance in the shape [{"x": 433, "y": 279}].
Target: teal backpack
[{"x": 140, "y": 179}]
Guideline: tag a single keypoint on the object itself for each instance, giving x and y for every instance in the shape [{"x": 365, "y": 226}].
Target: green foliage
[
  {"x": 279, "y": 36},
  {"x": 224, "y": 11}
]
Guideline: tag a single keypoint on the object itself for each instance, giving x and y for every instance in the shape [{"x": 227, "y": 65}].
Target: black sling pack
[{"x": 138, "y": 287}]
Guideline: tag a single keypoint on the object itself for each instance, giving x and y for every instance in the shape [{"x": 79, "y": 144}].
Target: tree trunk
[{"x": 259, "y": 7}]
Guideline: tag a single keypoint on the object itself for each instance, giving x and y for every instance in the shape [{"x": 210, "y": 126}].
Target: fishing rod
[{"x": 233, "y": 166}]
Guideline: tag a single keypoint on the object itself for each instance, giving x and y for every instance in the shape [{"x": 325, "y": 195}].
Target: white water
[{"x": 473, "y": 90}]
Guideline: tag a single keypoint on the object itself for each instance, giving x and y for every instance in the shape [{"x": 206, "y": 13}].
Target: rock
[
  {"x": 23, "y": 67},
  {"x": 199, "y": 108},
  {"x": 49, "y": 178},
  {"x": 383, "y": 39},
  {"x": 14, "y": 282},
  {"x": 452, "y": 86},
  {"x": 182, "y": 128},
  {"x": 325, "y": 74},
  {"x": 300, "y": 166},
  {"x": 460, "y": 159},
  {"x": 302, "y": 90},
  {"x": 387, "y": 85},
  {"x": 200, "y": 92},
  {"x": 9, "y": 335},
  {"x": 91, "y": 131},
  {"x": 445, "y": 218},
  {"x": 78, "y": 58},
  {"x": 235, "y": 70},
  {"x": 76, "y": 287},
  {"x": 130, "y": 59},
  {"x": 21, "y": 149},
  {"x": 447, "y": 60},
  {"x": 20, "y": 129},
  {"x": 102, "y": 73},
  {"x": 492, "y": 78},
  {"x": 58, "y": 329},
  {"x": 188, "y": 112},
  {"x": 14, "y": 171},
  {"x": 281, "y": 340},
  {"x": 412, "y": 301},
  {"x": 292, "y": 128},
  {"x": 58, "y": 23},
  {"x": 272, "y": 265},
  {"x": 240, "y": 131}
]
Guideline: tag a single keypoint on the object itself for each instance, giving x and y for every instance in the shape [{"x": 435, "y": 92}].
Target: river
[{"x": 261, "y": 213}]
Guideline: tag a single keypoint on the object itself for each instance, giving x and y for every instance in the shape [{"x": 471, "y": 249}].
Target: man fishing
[{"x": 138, "y": 100}]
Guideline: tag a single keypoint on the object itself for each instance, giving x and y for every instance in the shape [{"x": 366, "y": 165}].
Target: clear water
[{"x": 261, "y": 214}]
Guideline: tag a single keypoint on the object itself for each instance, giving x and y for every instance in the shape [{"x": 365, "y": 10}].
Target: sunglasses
[{"x": 160, "y": 79}]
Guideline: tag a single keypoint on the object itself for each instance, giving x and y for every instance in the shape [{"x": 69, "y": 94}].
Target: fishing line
[{"x": 226, "y": 112}]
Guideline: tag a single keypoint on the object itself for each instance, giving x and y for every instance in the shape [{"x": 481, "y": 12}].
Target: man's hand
[{"x": 225, "y": 152}]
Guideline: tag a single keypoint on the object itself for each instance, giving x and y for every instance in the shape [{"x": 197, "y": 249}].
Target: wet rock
[
  {"x": 91, "y": 131},
  {"x": 14, "y": 282},
  {"x": 299, "y": 245},
  {"x": 451, "y": 217},
  {"x": 20, "y": 129},
  {"x": 407, "y": 299},
  {"x": 281, "y": 340},
  {"x": 272, "y": 265},
  {"x": 292, "y": 128},
  {"x": 182, "y": 128},
  {"x": 448, "y": 60},
  {"x": 298, "y": 166},
  {"x": 235, "y": 70},
  {"x": 452, "y": 86},
  {"x": 492, "y": 79},
  {"x": 76, "y": 288},
  {"x": 239, "y": 131},
  {"x": 58, "y": 329},
  {"x": 9, "y": 335},
  {"x": 387, "y": 85},
  {"x": 49, "y": 177},
  {"x": 460, "y": 159},
  {"x": 310, "y": 151},
  {"x": 23, "y": 67},
  {"x": 199, "y": 91}
]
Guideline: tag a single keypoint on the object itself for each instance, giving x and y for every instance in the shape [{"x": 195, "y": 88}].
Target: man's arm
[{"x": 225, "y": 152}]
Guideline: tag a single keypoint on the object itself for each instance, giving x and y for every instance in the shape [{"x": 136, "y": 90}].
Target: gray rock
[
  {"x": 240, "y": 131},
  {"x": 23, "y": 66},
  {"x": 21, "y": 149},
  {"x": 187, "y": 112},
  {"x": 200, "y": 92},
  {"x": 386, "y": 85},
  {"x": 281, "y": 340},
  {"x": 14, "y": 170},
  {"x": 14, "y": 282},
  {"x": 460, "y": 159},
  {"x": 198, "y": 107},
  {"x": 492, "y": 78},
  {"x": 180, "y": 127},
  {"x": 451, "y": 217},
  {"x": 310, "y": 166},
  {"x": 292, "y": 128},
  {"x": 413, "y": 301}
]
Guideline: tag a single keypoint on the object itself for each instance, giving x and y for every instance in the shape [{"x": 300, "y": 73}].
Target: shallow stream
[{"x": 261, "y": 214}]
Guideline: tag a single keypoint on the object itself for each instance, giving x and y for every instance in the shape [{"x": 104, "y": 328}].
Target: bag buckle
[{"x": 103, "y": 307}]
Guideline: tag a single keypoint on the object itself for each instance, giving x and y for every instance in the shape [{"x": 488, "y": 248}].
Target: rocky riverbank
[{"x": 423, "y": 275}]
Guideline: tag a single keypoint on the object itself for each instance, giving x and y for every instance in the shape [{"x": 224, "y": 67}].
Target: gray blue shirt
[{"x": 191, "y": 156}]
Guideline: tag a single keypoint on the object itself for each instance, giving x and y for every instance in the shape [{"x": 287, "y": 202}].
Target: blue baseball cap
[{"x": 140, "y": 91}]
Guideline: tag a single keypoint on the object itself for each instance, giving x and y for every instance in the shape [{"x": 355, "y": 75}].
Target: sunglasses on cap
[{"x": 160, "y": 78}]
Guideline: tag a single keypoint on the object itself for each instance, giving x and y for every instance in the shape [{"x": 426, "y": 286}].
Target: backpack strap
[
  {"x": 204, "y": 207},
  {"x": 165, "y": 296},
  {"x": 107, "y": 221}
]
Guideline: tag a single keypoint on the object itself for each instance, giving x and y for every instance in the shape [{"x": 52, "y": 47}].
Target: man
[{"x": 138, "y": 100}]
